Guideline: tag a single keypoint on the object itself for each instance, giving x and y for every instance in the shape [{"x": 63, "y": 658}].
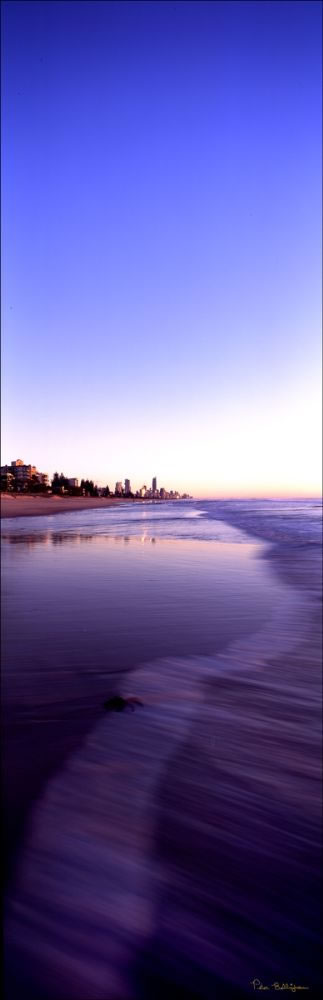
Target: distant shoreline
[{"x": 37, "y": 506}]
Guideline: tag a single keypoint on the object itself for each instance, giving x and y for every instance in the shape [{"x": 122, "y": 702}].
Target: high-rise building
[
  {"x": 119, "y": 488},
  {"x": 127, "y": 487},
  {"x": 154, "y": 484}
]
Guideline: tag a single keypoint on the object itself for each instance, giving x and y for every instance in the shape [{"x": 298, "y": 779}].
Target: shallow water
[
  {"x": 146, "y": 822},
  {"x": 89, "y": 595},
  {"x": 104, "y": 602}
]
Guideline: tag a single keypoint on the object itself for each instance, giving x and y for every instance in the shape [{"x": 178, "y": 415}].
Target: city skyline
[
  {"x": 161, "y": 284},
  {"x": 135, "y": 484},
  {"x": 24, "y": 477}
]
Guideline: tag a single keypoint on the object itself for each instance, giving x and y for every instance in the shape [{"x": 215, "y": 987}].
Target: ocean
[{"x": 175, "y": 846}]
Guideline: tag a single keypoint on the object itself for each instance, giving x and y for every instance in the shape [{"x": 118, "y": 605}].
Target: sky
[{"x": 161, "y": 243}]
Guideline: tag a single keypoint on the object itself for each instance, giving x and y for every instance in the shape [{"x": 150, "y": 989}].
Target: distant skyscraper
[
  {"x": 118, "y": 488},
  {"x": 127, "y": 487},
  {"x": 154, "y": 485}
]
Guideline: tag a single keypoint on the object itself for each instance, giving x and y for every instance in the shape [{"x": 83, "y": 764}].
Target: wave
[{"x": 182, "y": 835}]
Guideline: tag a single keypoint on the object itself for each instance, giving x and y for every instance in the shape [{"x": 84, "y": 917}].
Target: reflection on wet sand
[
  {"x": 69, "y": 538},
  {"x": 78, "y": 616},
  {"x": 175, "y": 847}
]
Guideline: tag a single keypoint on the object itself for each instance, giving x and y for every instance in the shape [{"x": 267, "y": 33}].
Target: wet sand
[
  {"x": 19, "y": 506},
  {"x": 179, "y": 847},
  {"x": 66, "y": 597}
]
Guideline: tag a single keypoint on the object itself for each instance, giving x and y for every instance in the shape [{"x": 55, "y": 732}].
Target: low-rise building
[{"x": 21, "y": 471}]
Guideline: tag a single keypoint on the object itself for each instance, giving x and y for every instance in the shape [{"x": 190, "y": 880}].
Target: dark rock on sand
[{"x": 118, "y": 704}]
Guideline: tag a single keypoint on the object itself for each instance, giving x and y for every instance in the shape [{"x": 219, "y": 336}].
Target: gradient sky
[{"x": 161, "y": 232}]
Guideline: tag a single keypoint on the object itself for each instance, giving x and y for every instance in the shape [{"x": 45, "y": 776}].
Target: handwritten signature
[{"x": 258, "y": 985}]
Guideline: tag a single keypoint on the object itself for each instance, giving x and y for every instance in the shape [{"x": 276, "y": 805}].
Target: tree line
[{"x": 58, "y": 485}]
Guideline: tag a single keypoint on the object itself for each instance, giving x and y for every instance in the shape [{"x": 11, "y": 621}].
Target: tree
[
  {"x": 55, "y": 483},
  {"x": 58, "y": 482},
  {"x": 34, "y": 485},
  {"x": 88, "y": 486}
]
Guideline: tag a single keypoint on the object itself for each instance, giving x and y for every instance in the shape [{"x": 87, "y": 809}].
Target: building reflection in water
[{"x": 67, "y": 538}]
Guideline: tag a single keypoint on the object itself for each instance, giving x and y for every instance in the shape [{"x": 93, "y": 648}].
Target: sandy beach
[
  {"x": 176, "y": 844},
  {"x": 28, "y": 506}
]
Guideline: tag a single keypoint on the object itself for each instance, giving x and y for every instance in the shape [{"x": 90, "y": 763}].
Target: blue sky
[{"x": 161, "y": 277}]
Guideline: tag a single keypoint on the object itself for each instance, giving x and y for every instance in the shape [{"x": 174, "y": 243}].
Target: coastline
[
  {"x": 39, "y": 506},
  {"x": 143, "y": 792}
]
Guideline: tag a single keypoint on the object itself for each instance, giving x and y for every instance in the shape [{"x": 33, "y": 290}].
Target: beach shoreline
[
  {"x": 142, "y": 790},
  {"x": 39, "y": 506},
  {"x": 219, "y": 764}
]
